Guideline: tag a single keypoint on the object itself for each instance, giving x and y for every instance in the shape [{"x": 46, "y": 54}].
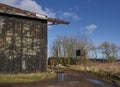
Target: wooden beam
[{"x": 57, "y": 21}]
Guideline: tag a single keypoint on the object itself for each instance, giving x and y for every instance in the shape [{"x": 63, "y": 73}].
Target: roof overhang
[
  {"x": 56, "y": 21},
  {"x": 10, "y": 10}
]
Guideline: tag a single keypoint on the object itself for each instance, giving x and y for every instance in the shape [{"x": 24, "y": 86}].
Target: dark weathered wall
[{"x": 23, "y": 44}]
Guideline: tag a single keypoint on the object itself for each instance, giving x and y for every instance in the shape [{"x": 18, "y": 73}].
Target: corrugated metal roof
[{"x": 17, "y": 11}]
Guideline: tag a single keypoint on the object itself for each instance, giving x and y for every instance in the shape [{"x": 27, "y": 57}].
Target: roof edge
[{"x": 20, "y": 12}]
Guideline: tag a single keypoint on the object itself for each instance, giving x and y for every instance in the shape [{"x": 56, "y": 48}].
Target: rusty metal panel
[{"x": 23, "y": 44}]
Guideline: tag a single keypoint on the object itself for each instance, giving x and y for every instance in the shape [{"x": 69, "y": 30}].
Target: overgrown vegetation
[
  {"x": 66, "y": 46},
  {"x": 106, "y": 70},
  {"x": 53, "y": 61}
]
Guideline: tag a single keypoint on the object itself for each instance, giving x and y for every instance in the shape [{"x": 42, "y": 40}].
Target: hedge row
[{"x": 60, "y": 60}]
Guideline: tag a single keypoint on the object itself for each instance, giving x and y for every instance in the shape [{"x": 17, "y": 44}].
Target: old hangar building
[{"x": 23, "y": 40}]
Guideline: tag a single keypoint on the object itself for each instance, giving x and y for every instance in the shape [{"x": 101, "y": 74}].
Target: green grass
[{"x": 26, "y": 77}]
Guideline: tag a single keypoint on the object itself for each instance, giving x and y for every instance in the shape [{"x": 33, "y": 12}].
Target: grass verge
[
  {"x": 105, "y": 70},
  {"x": 26, "y": 77}
]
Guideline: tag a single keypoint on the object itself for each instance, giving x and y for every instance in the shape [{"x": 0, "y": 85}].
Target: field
[{"x": 111, "y": 70}]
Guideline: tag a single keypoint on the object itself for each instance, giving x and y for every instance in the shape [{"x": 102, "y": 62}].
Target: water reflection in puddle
[
  {"x": 98, "y": 82},
  {"x": 60, "y": 76}
]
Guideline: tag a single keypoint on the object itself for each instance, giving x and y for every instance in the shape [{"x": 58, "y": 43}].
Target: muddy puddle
[
  {"x": 62, "y": 76},
  {"x": 100, "y": 83}
]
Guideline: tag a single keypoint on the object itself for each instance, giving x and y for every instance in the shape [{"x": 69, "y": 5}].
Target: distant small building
[{"x": 23, "y": 40}]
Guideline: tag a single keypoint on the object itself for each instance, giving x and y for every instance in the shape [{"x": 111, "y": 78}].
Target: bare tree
[
  {"x": 114, "y": 49},
  {"x": 93, "y": 51},
  {"x": 109, "y": 51},
  {"x": 56, "y": 49},
  {"x": 66, "y": 46},
  {"x": 85, "y": 47}
]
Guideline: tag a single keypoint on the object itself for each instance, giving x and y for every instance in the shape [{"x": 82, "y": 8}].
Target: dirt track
[{"x": 71, "y": 79}]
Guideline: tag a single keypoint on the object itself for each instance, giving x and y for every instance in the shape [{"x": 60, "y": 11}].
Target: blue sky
[{"x": 98, "y": 19}]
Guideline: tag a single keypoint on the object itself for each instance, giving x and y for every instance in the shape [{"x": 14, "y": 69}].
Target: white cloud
[
  {"x": 91, "y": 28},
  {"x": 71, "y": 15},
  {"x": 29, "y": 5},
  {"x": 9, "y": 2},
  {"x": 49, "y": 12}
]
